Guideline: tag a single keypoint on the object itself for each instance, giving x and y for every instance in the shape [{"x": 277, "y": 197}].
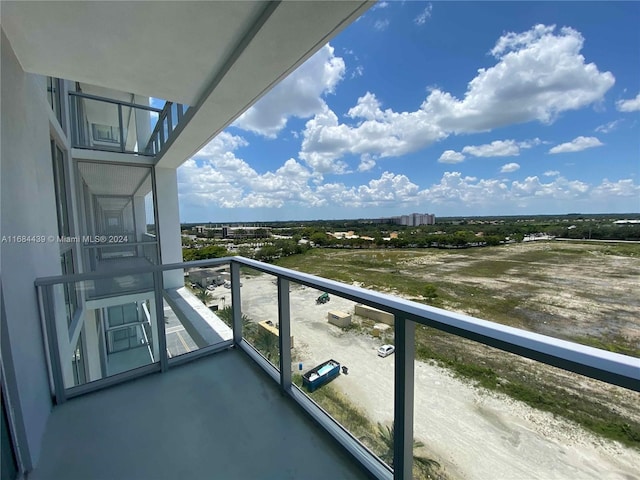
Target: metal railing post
[
  {"x": 54, "y": 349},
  {"x": 284, "y": 334},
  {"x": 121, "y": 127},
  {"x": 236, "y": 305},
  {"x": 180, "y": 111},
  {"x": 158, "y": 287},
  {"x": 403, "y": 398}
]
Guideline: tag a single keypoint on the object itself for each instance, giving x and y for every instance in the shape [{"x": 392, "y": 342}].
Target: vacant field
[
  {"x": 582, "y": 292},
  {"x": 587, "y": 293}
]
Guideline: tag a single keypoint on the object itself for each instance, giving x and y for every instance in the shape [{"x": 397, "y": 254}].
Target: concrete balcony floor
[{"x": 217, "y": 417}]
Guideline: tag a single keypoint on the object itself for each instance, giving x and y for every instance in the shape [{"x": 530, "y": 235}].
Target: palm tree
[
  {"x": 248, "y": 325},
  {"x": 203, "y": 295},
  {"x": 267, "y": 344},
  {"x": 386, "y": 435}
]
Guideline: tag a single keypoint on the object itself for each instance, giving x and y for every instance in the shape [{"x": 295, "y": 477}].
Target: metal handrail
[
  {"x": 114, "y": 102},
  {"x": 612, "y": 368},
  {"x": 607, "y": 366}
]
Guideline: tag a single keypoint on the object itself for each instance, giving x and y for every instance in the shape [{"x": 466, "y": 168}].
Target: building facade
[{"x": 101, "y": 103}]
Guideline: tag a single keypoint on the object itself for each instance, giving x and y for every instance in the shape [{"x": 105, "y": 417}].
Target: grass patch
[{"x": 615, "y": 344}]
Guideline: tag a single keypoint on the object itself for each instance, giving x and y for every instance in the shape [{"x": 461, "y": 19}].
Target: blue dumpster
[{"x": 320, "y": 375}]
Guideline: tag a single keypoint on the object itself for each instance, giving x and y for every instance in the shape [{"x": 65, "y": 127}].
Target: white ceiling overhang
[
  {"x": 218, "y": 57},
  {"x": 114, "y": 179}
]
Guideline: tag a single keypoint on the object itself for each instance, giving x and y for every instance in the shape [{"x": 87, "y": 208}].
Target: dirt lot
[
  {"x": 475, "y": 434},
  {"x": 576, "y": 291}
]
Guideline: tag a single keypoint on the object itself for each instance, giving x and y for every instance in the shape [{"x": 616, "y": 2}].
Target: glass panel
[
  {"x": 114, "y": 329},
  {"x": 196, "y": 316},
  {"x": 70, "y": 294},
  {"x": 165, "y": 129},
  {"x": 517, "y": 416},
  {"x": 120, "y": 228},
  {"x": 96, "y": 125},
  {"x": 344, "y": 360},
  {"x": 60, "y": 184},
  {"x": 174, "y": 115},
  {"x": 260, "y": 313}
]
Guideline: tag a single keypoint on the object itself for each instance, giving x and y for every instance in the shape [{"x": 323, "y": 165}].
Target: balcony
[
  {"x": 117, "y": 125},
  {"x": 217, "y": 417},
  {"x": 213, "y": 396}
]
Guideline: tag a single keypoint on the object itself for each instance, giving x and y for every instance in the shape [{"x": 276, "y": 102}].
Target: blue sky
[{"x": 452, "y": 108}]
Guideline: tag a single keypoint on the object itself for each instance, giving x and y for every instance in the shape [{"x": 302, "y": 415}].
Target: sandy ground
[{"x": 472, "y": 433}]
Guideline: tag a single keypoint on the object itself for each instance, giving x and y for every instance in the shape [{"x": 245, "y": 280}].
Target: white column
[
  {"x": 143, "y": 123},
  {"x": 169, "y": 224}
]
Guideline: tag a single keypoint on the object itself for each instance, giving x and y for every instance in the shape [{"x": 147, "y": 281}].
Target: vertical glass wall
[
  {"x": 344, "y": 361},
  {"x": 111, "y": 125},
  {"x": 197, "y": 314},
  {"x": 118, "y": 217},
  {"x": 113, "y": 328},
  {"x": 260, "y": 323}
]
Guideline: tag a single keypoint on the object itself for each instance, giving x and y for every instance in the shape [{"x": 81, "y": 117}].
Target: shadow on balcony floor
[{"x": 217, "y": 417}]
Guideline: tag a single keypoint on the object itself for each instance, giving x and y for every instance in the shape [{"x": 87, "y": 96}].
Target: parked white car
[
  {"x": 386, "y": 350},
  {"x": 211, "y": 287}
]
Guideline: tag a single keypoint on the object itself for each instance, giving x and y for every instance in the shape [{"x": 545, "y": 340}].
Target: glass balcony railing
[
  {"x": 106, "y": 124},
  {"x": 319, "y": 339}
]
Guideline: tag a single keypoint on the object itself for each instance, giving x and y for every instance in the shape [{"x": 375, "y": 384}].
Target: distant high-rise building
[{"x": 415, "y": 219}]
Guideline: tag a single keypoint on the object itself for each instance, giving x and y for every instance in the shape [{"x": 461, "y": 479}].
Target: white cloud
[
  {"x": 298, "y": 95},
  {"x": 451, "y": 156},
  {"x": 538, "y": 75},
  {"x": 500, "y": 148},
  {"x": 559, "y": 188},
  {"x": 608, "y": 127},
  {"x": 621, "y": 188},
  {"x": 381, "y": 25},
  {"x": 497, "y": 148},
  {"x": 216, "y": 177},
  {"x": 577, "y": 145},
  {"x": 509, "y": 167},
  {"x": 389, "y": 190},
  {"x": 629, "y": 105},
  {"x": 424, "y": 15},
  {"x": 380, "y": 5},
  {"x": 551, "y": 173},
  {"x": 366, "y": 163},
  {"x": 357, "y": 72}
]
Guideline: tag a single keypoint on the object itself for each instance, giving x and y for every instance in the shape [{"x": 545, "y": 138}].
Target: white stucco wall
[{"x": 28, "y": 208}]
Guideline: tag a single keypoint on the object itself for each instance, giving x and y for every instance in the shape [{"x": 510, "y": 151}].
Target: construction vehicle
[{"x": 324, "y": 298}]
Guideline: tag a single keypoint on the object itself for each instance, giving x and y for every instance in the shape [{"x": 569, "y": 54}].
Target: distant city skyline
[{"x": 463, "y": 109}]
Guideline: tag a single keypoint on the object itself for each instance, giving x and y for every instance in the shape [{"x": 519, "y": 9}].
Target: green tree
[
  {"x": 203, "y": 295},
  {"x": 267, "y": 344},
  {"x": 248, "y": 326},
  {"x": 319, "y": 238},
  {"x": 210, "y": 251}
]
